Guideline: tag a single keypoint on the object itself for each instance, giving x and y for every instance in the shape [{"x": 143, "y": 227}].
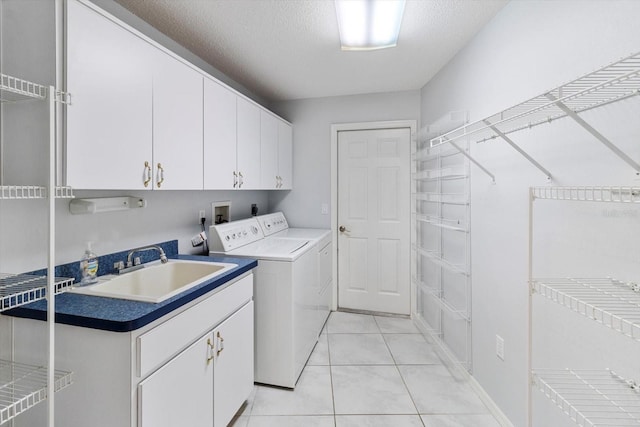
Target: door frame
[{"x": 335, "y": 128}]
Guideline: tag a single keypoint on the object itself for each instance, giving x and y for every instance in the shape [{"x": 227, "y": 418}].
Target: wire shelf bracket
[
  {"x": 600, "y": 137},
  {"x": 518, "y": 149},
  {"x": 472, "y": 160}
]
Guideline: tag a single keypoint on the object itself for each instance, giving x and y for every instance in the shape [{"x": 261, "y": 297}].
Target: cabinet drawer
[{"x": 169, "y": 338}]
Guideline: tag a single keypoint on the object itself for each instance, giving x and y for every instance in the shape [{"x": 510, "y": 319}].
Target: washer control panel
[
  {"x": 232, "y": 235},
  {"x": 272, "y": 223}
]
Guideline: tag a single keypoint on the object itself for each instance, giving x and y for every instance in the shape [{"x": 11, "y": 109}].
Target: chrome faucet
[{"x": 134, "y": 263}]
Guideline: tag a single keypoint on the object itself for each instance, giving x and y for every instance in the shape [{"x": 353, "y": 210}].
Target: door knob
[{"x": 343, "y": 229}]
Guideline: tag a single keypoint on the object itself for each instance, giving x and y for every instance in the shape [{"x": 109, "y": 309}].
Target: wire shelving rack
[
  {"x": 22, "y": 386},
  {"x": 588, "y": 397}
]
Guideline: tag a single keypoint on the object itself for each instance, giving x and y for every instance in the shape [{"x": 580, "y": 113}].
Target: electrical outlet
[
  {"x": 500, "y": 347},
  {"x": 324, "y": 209},
  {"x": 201, "y": 215}
]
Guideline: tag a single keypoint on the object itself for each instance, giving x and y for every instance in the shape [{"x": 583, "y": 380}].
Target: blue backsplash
[{"x": 106, "y": 262}]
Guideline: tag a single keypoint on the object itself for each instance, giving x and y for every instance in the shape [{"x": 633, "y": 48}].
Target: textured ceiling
[{"x": 289, "y": 49}]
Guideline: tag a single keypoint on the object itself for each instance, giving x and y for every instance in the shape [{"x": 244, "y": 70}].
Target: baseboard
[{"x": 461, "y": 372}]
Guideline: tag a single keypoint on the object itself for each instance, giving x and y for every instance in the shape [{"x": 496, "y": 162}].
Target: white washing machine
[
  {"x": 275, "y": 225},
  {"x": 284, "y": 291}
]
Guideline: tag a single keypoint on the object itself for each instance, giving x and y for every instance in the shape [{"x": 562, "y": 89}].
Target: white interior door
[{"x": 374, "y": 220}]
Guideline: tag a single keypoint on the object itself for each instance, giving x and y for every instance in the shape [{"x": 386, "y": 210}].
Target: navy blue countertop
[{"x": 119, "y": 315}]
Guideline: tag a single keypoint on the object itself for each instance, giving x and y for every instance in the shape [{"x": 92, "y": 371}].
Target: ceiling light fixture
[{"x": 369, "y": 24}]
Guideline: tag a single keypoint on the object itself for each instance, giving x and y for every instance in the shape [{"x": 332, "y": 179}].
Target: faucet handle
[
  {"x": 137, "y": 261},
  {"x": 118, "y": 265}
]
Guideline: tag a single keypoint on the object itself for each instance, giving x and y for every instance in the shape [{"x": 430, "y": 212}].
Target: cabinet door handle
[
  {"x": 160, "y": 175},
  {"x": 235, "y": 179},
  {"x": 212, "y": 349},
  {"x": 220, "y": 344},
  {"x": 147, "y": 174},
  {"x": 241, "y": 179}
]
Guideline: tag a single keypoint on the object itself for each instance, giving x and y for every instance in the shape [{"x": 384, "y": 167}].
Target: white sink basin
[{"x": 156, "y": 282}]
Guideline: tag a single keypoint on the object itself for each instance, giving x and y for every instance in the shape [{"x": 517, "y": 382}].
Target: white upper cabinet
[
  {"x": 177, "y": 124},
  {"x": 109, "y": 121},
  {"x": 141, "y": 118},
  {"x": 248, "y": 145},
  {"x": 268, "y": 151},
  {"x": 220, "y": 171},
  {"x": 285, "y": 155},
  {"x": 276, "y": 147}
]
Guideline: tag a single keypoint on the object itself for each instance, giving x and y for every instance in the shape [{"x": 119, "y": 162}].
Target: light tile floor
[{"x": 369, "y": 371}]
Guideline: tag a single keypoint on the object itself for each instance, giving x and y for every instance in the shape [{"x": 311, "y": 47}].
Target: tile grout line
[
  {"x": 333, "y": 398},
  {"x": 400, "y": 374}
]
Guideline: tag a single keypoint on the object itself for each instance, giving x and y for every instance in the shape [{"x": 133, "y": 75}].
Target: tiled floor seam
[{"x": 333, "y": 397}]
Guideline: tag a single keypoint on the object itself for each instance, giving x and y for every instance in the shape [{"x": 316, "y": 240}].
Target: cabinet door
[
  {"x": 109, "y": 120},
  {"x": 219, "y": 137},
  {"x": 180, "y": 393},
  {"x": 177, "y": 124},
  {"x": 285, "y": 155},
  {"x": 233, "y": 376},
  {"x": 268, "y": 151},
  {"x": 248, "y": 144}
]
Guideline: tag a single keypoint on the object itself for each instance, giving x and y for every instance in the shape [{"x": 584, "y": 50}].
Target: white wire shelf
[
  {"x": 591, "y": 398},
  {"x": 13, "y": 89},
  {"x": 446, "y": 173},
  {"x": 33, "y": 192},
  {"x": 610, "y": 302},
  {"x": 437, "y": 297},
  {"x": 441, "y": 262},
  {"x": 609, "y": 84},
  {"x": 22, "y": 386},
  {"x": 445, "y": 223},
  {"x": 20, "y": 289},
  {"x": 588, "y": 194},
  {"x": 427, "y": 153},
  {"x": 444, "y": 198}
]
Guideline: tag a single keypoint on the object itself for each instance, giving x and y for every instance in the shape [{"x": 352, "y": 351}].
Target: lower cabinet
[
  {"x": 206, "y": 383},
  {"x": 193, "y": 367},
  {"x": 232, "y": 365}
]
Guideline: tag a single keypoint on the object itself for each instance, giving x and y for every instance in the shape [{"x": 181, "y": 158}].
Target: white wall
[
  {"x": 530, "y": 47},
  {"x": 169, "y": 215},
  {"x": 312, "y": 120}
]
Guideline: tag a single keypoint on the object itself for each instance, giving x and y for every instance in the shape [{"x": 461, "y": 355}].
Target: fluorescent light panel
[{"x": 369, "y": 24}]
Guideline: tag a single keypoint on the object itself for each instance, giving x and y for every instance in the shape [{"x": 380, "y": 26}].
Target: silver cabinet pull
[
  {"x": 212, "y": 349},
  {"x": 147, "y": 174},
  {"x": 220, "y": 344},
  {"x": 160, "y": 175}
]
